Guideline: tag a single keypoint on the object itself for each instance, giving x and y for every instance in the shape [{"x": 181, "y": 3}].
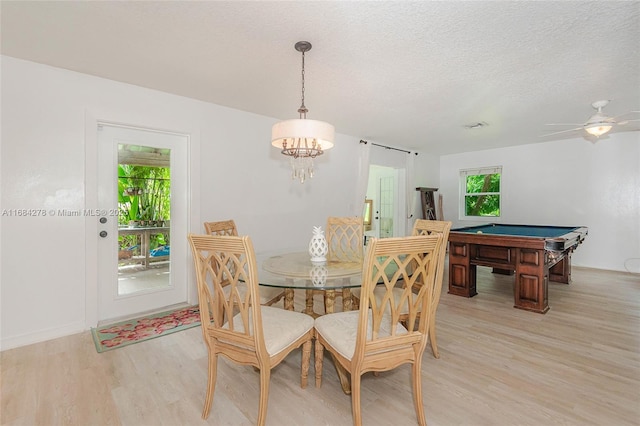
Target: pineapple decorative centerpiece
[{"x": 318, "y": 246}]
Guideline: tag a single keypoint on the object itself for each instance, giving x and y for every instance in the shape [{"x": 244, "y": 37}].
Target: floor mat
[{"x": 132, "y": 331}]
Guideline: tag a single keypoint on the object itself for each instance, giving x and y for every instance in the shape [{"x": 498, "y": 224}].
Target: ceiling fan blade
[
  {"x": 563, "y": 124},
  {"x": 562, "y": 131},
  {"x": 628, "y": 112},
  {"x": 622, "y": 115},
  {"x": 625, "y": 122}
]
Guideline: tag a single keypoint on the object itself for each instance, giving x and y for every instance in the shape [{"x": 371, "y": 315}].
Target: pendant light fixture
[{"x": 302, "y": 139}]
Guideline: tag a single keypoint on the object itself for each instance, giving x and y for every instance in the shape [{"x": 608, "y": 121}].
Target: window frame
[{"x": 464, "y": 173}]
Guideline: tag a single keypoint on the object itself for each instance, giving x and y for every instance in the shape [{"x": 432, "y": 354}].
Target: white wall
[
  {"x": 566, "y": 183},
  {"x": 235, "y": 173}
]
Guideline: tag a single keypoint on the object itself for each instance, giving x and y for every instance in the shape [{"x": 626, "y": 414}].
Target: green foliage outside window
[
  {"x": 144, "y": 194},
  {"x": 152, "y": 199},
  {"x": 482, "y": 195}
]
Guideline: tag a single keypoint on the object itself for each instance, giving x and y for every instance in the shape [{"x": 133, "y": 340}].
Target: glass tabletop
[{"x": 295, "y": 270}]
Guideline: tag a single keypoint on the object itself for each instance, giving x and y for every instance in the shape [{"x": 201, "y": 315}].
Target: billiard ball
[{"x": 479, "y": 232}]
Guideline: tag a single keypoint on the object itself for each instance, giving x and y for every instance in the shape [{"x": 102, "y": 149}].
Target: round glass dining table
[{"x": 295, "y": 270}]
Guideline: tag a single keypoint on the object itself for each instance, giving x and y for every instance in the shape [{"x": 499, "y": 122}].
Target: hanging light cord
[
  {"x": 303, "y": 109},
  {"x": 302, "y": 140}
]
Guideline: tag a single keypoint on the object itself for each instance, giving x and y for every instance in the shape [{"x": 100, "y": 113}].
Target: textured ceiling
[{"x": 404, "y": 74}]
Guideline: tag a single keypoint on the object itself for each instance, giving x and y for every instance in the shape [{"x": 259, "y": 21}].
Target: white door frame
[
  {"x": 112, "y": 304},
  {"x": 91, "y": 202}
]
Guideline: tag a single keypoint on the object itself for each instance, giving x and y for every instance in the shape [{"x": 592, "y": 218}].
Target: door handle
[{"x": 103, "y": 234}]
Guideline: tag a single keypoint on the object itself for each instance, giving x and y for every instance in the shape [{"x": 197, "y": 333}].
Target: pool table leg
[
  {"x": 561, "y": 271},
  {"x": 531, "y": 291},
  {"x": 462, "y": 273}
]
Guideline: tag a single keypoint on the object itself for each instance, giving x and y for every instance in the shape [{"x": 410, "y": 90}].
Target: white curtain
[
  {"x": 411, "y": 193},
  {"x": 364, "y": 153}
]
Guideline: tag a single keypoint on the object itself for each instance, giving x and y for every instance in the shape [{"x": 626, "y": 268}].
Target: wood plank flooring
[{"x": 577, "y": 365}]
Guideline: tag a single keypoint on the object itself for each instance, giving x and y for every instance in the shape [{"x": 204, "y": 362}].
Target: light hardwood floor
[{"x": 577, "y": 365}]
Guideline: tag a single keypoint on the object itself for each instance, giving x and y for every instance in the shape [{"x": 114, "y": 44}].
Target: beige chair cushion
[
  {"x": 340, "y": 330},
  {"x": 279, "y": 327}
]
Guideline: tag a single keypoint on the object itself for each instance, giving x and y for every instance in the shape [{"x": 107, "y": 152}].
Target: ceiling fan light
[{"x": 598, "y": 129}]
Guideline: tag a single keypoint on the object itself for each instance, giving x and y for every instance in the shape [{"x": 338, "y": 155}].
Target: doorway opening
[{"x": 386, "y": 191}]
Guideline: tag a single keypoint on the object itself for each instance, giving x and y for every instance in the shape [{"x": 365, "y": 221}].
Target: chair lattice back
[
  {"x": 430, "y": 227},
  {"x": 345, "y": 237},
  {"x": 223, "y": 227},
  {"x": 433, "y": 227},
  {"x": 228, "y": 228},
  {"x": 228, "y": 295},
  {"x": 395, "y": 264}
]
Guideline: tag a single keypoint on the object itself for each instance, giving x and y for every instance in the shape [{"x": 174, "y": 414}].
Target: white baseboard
[{"x": 40, "y": 336}]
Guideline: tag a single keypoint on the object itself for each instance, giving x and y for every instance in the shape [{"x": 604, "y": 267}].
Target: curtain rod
[{"x": 387, "y": 147}]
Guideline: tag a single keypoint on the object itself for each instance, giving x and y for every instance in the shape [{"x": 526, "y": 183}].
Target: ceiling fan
[{"x": 598, "y": 124}]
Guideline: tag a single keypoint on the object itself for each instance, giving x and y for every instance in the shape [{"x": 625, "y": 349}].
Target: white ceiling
[{"x": 399, "y": 73}]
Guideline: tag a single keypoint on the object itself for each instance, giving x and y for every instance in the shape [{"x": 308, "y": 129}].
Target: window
[{"x": 480, "y": 189}]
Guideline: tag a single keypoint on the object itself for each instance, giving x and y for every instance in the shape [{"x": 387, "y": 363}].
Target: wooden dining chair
[
  {"x": 221, "y": 227},
  {"x": 268, "y": 296},
  {"x": 425, "y": 227},
  {"x": 345, "y": 240},
  {"x": 374, "y": 337},
  {"x": 237, "y": 327},
  {"x": 430, "y": 227}
]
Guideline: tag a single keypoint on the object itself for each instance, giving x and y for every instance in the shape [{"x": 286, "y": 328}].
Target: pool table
[{"x": 535, "y": 253}]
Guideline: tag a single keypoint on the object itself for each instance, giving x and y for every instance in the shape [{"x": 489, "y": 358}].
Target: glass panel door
[
  {"x": 142, "y": 179},
  {"x": 387, "y": 186}
]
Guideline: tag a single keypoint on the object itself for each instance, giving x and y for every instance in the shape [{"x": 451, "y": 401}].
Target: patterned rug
[{"x": 126, "y": 333}]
